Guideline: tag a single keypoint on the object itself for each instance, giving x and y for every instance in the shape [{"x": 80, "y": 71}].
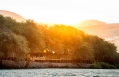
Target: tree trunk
[
  {"x": 1, "y": 66},
  {"x": 27, "y": 63}
]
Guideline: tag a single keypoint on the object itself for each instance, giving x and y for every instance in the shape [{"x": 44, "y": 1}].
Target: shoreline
[{"x": 6, "y": 64}]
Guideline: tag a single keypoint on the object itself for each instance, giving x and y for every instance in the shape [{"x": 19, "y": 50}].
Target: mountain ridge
[{"x": 12, "y": 15}]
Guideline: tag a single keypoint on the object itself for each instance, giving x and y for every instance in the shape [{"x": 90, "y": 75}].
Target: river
[{"x": 59, "y": 73}]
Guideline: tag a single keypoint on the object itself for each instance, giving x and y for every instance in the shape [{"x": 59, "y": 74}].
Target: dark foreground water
[{"x": 60, "y": 73}]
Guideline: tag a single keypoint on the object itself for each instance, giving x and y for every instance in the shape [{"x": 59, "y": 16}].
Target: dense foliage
[
  {"x": 19, "y": 39},
  {"x": 102, "y": 65}
]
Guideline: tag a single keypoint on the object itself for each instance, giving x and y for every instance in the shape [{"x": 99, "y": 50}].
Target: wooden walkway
[
  {"x": 52, "y": 60},
  {"x": 61, "y": 60}
]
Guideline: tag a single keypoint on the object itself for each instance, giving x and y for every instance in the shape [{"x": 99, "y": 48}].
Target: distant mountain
[
  {"x": 107, "y": 31},
  {"x": 99, "y": 28},
  {"x": 91, "y": 23},
  {"x": 12, "y": 15}
]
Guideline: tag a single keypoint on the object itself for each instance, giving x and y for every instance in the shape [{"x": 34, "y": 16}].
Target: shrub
[
  {"x": 103, "y": 65},
  {"x": 96, "y": 66},
  {"x": 107, "y": 66}
]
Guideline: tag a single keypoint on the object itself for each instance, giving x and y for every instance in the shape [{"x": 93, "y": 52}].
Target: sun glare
[{"x": 59, "y": 18}]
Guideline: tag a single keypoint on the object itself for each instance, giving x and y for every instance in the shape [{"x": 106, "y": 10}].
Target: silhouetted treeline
[{"x": 19, "y": 39}]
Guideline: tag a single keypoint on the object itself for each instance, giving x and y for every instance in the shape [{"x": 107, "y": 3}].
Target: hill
[
  {"x": 12, "y": 15},
  {"x": 91, "y": 22}
]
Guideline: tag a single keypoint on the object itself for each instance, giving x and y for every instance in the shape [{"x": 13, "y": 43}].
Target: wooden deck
[
  {"x": 62, "y": 60},
  {"x": 53, "y": 59}
]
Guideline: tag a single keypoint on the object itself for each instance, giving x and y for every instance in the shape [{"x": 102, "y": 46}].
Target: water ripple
[{"x": 60, "y": 73}]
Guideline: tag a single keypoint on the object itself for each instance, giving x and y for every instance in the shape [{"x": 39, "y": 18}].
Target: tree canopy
[{"x": 22, "y": 38}]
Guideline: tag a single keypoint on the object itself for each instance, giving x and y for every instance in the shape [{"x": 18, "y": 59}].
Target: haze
[{"x": 64, "y": 11}]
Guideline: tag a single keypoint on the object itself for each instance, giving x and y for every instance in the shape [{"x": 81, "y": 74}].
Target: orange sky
[{"x": 64, "y": 11}]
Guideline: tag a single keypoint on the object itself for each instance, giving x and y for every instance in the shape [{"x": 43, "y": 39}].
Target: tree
[
  {"x": 34, "y": 36},
  {"x": 12, "y": 45},
  {"x": 84, "y": 52},
  {"x": 103, "y": 50}
]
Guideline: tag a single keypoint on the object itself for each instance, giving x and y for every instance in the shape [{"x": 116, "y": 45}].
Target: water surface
[{"x": 60, "y": 73}]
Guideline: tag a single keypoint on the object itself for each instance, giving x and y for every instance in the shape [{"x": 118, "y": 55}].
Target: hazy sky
[{"x": 64, "y": 11}]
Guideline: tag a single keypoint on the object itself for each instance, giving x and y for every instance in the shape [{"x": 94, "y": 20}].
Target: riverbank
[{"x": 21, "y": 64}]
